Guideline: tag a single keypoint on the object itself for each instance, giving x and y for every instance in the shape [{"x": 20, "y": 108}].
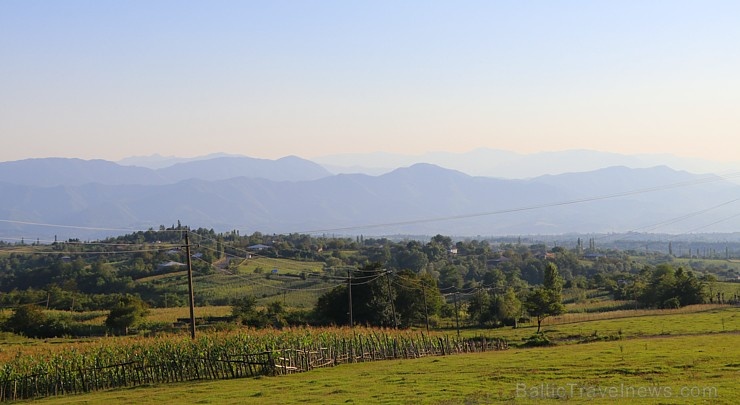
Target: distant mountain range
[
  {"x": 95, "y": 198},
  {"x": 511, "y": 165},
  {"x": 75, "y": 172}
]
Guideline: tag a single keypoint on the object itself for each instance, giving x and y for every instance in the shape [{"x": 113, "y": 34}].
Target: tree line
[{"x": 394, "y": 282}]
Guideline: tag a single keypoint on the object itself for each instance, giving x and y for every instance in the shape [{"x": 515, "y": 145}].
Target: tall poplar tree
[{"x": 546, "y": 300}]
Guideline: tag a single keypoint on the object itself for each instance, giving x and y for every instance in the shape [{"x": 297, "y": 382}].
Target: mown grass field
[
  {"x": 297, "y": 283},
  {"x": 673, "y": 369},
  {"x": 267, "y": 264},
  {"x": 697, "y": 319}
]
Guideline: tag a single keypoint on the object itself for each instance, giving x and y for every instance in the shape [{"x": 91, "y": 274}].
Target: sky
[{"x": 111, "y": 79}]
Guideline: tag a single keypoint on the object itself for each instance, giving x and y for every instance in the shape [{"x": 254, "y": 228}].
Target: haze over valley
[{"x": 291, "y": 194}]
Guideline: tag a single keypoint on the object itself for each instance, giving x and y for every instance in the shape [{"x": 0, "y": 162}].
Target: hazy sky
[{"x": 110, "y": 79}]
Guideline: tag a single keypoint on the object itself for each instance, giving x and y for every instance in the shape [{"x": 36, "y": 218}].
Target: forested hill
[{"x": 422, "y": 199}]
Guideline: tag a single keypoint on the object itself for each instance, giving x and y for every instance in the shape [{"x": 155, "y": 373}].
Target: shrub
[{"x": 537, "y": 340}]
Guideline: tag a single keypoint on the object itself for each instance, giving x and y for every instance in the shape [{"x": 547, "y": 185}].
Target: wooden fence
[{"x": 270, "y": 362}]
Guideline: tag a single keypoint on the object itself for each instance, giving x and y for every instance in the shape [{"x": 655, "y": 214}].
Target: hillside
[
  {"x": 421, "y": 199},
  {"x": 50, "y": 172}
]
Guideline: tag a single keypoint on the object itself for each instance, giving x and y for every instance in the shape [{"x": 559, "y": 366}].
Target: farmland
[
  {"x": 126, "y": 362},
  {"x": 296, "y": 283},
  {"x": 107, "y": 320},
  {"x": 657, "y": 358}
]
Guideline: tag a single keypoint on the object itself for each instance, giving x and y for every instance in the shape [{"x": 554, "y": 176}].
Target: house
[
  {"x": 258, "y": 246},
  {"x": 169, "y": 265},
  {"x": 497, "y": 261},
  {"x": 545, "y": 256},
  {"x": 593, "y": 256}
]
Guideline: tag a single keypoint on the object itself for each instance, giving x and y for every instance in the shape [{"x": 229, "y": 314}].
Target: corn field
[{"x": 114, "y": 363}]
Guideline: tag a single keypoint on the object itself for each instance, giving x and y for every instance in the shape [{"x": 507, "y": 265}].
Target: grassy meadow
[
  {"x": 672, "y": 369},
  {"x": 267, "y": 264},
  {"x": 297, "y": 284},
  {"x": 616, "y": 325},
  {"x": 689, "y": 355}
]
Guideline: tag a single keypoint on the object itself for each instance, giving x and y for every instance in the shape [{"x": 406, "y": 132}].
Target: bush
[
  {"x": 245, "y": 311},
  {"x": 538, "y": 340},
  {"x": 27, "y": 320},
  {"x": 672, "y": 303}
]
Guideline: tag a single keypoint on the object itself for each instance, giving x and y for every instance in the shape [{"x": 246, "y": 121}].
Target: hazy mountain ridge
[
  {"x": 420, "y": 199},
  {"x": 64, "y": 171},
  {"x": 506, "y": 164},
  {"x": 157, "y": 161},
  {"x": 77, "y": 172}
]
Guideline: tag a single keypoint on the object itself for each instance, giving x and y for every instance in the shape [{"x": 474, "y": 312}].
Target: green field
[
  {"x": 576, "y": 328},
  {"x": 701, "y": 264},
  {"x": 267, "y": 264},
  {"x": 683, "y": 369},
  {"x": 729, "y": 289},
  {"x": 297, "y": 284},
  {"x": 688, "y": 356}
]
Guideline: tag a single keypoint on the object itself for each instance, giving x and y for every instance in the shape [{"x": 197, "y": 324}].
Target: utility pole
[
  {"x": 426, "y": 311},
  {"x": 390, "y": 298},
  {"x": 190, "y": 286},
  {"x": 349, "y": 296},
  {"x": 457, "y": 315}
]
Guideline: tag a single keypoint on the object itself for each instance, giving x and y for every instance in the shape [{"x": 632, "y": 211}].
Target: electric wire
[
  {"x": 671, "y": 221},
  {"x": 375, "y": 273},
  {"x": 704, "y": 180}
]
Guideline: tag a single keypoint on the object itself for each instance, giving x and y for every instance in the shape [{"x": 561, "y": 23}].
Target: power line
[
  {"x": 71, "y": 252},
  {"x": 713, "y": 223},
  {"x": 78, "y": 227},
  {"x": 671, "y": 221},
  {"x": 704, "y": 180}
]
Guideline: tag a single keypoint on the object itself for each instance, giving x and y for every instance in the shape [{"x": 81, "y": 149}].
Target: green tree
[
  {"x": 332, "y": 307},
  {"x": 450, "y": 276},
  {"x": 129, "y": 312},
  {"x": 417, "y": 296},
  {"x": 371, "y": 300},
  {"x": 244, "y": 309},
  {"x": 479, "y": 308},
  {"x": 552, "y": 280},
  {"x": 276, "y": 314},
  {"x": 546, "y": 300},
  {"x": 508, "y": 307},
  {"x": 667, "y": 287},
  {"x": 27, "y": 320}
]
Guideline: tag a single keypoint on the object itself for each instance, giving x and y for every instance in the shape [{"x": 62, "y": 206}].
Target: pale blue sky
[{"x": 110, "y": 79}]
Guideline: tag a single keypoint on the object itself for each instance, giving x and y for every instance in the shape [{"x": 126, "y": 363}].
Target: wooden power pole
[
  {"x": 390, "y": 298},
  {"x": 426, "y": 311},
  {"x": 349, "y": 296},
  {"x": 190, "y": 286}
]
